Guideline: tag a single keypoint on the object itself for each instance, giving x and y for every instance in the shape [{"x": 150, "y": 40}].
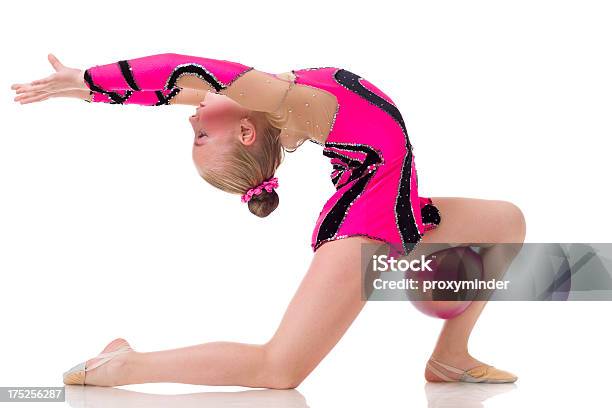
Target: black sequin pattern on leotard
[{"x": 362, "y": 171}]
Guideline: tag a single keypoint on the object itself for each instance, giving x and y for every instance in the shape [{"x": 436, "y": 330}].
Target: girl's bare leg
[
  {"x": 471, "y": 221},
  {"x": 327, "y": 301}
]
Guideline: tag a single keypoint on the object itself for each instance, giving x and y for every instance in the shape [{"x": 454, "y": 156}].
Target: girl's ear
[{"x": 248, "y": 132}]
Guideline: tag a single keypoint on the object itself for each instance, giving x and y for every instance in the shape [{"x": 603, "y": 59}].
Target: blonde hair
[{"x": 245, "y": 167}]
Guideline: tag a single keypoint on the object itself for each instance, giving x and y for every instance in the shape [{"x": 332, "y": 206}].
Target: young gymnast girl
[{"x": 244, "y": 121}]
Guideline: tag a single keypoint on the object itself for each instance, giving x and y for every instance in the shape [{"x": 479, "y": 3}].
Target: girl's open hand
[{"x": 66, "y": 82}]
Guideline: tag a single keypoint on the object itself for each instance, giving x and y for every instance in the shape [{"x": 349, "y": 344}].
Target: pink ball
[{"x": 451, "y": 264}]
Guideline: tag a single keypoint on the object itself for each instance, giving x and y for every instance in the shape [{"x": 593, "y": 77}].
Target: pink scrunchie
[{"x": 267, "y": 185}]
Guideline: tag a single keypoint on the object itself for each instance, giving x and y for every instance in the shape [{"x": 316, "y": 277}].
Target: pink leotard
[{"x": 373, "y": 166}]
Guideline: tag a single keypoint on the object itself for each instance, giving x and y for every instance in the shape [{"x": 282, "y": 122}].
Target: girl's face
[{"x": 218, "y": 122}]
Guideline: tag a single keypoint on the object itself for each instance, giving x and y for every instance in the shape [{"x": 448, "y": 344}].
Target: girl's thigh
[{"x": 475, "y": 222}]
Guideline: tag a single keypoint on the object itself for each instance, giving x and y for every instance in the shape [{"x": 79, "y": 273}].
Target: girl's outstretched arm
[
  {"x": 159, "y": 80},
  {"x": 253, "y": 89}
]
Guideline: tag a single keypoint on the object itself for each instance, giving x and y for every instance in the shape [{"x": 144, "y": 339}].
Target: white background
[{"x": 106, "y": 229}]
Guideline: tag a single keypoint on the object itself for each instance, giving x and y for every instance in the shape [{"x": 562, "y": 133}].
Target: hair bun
[{"x": 264, "y": 203}]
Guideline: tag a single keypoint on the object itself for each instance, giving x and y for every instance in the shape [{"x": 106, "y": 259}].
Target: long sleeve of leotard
[{"x": 152, "y": 79}]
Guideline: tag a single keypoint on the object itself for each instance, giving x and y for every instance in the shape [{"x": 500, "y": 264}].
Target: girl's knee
[
  {"x": 513, "y": 226},
  {"x": 280, "y": 372}
]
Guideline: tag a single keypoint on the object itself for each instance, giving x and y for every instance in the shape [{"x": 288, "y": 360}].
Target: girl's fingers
[
  {"x": 17, "y": 86},
  {"x": 28, "y": 95},
  {"x": 42, "y": 81},
  {"x": 31, "y": 88},
  {"x": 29, "y": 85},
  {"x": 38, "y": 98}
]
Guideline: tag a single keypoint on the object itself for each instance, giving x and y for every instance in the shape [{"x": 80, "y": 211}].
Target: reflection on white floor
[
  {"x": 78, "y": 396},
  {"x": 451, "y": 395},
  {"x": 462, "y": 395}
]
